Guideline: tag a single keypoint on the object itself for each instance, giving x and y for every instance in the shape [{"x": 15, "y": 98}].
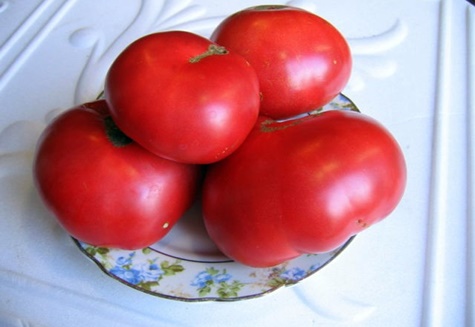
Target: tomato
[
  {"x": 183, "y": 97},
  {"x": 105, "y": 189},
  {"x": 302, "y": 186},
  {"x": 302, "y": 61}
]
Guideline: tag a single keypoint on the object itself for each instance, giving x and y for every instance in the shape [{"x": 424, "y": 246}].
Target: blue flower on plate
[
  {"x": 136, "y": 274},
  {"x": 315, "y": 267},
  {"x": 218, "y": 281},
  {"x": 151, "y": 273},
  {"x": 130, "y": 275},
  {"x": 293, "y": 274},
  {"x": 124, "y": 261},
  {"x": 202, "y": 279},
  {"x": 209, "y": 277},
  {"x": 221, "y": 278}
]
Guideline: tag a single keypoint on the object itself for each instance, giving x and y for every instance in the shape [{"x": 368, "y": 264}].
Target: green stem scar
[
  {"x": 270, "y": 125},
  {"x": 114, "y": 134},
  {"x": 270, "y": 7},
  {"x": 213, "y": 50}
]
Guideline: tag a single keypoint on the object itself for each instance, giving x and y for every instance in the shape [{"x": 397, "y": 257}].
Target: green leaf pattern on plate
[
  {"x": 218, "y": 281},
  {"x": 135, "y": 267}
]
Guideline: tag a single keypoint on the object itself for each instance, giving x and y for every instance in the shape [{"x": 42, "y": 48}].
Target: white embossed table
[{"x": 414, "y": 70}]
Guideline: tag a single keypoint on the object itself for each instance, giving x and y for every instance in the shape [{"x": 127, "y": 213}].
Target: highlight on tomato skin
[
  {"x": 307, "y": 187},
  {"x": 300, "y": 66},
  {"x": 104, "y": 192}
]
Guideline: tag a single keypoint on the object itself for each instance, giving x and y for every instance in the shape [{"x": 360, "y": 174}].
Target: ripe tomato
[
  {"x": 106, "y": 194},
  {"x": 302, "y": 186},
  {"x": 182, "y": 97},
  {"x": 302, "y": 61}
]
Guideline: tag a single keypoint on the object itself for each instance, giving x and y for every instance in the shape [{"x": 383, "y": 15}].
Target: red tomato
[
  {"x": 182, "y": 97},
  {"x": 106, "y": 194},
  {"x": 302, "y": 61},
  {"x": 302, "y": 186}
]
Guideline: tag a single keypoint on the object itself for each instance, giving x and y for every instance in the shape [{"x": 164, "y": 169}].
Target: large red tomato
[
  {"x": 302, "y": 186},
  {"x": 105, "y": 189},
  {"x": 302, "y": 61},
  {"x": 183, "y": 97}
]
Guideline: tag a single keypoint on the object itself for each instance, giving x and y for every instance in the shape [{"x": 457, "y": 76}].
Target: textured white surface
[{"x": 414, "y": 71}]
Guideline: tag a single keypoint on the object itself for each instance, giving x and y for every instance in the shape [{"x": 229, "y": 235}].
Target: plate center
[{"x": 189, "y": 240}]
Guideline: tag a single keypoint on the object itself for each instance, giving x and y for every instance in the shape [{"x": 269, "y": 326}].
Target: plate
[{"x": 186, "y": 265}]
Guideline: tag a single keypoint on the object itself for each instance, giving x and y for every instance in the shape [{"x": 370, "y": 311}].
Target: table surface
[{"x": 414, "y": 71}]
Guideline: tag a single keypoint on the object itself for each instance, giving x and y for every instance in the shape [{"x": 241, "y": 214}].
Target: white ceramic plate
[{"x": 186, "y": 265}]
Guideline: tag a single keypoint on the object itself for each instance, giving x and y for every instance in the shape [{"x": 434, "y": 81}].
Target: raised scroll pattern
[
  {"x": 369, "y": 55},
  {"x": 15, "y": 51}
]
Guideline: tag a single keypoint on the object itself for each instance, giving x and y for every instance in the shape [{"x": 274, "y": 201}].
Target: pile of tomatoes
[{"x": 219, "y": 120}]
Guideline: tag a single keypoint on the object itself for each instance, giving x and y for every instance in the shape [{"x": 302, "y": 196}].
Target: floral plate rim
[{"x": 283, "y": 276}]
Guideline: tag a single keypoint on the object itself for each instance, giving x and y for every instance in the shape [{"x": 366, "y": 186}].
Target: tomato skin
[
  {"x": 106, "y": 195},
  {"x": 188, "y": 112},
  {"x": 300, "y": 66},
  {"x": 302, "y": 186}
]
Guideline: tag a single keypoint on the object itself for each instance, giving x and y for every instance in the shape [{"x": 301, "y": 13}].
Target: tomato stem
[
  {"x": 100, "y": 95},
  {"x": 114, "y": 134},
  {"x": 213, "y": 50}
]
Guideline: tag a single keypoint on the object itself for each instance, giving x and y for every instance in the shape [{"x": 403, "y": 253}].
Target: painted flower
[
  {"x": 221, "y": 278},
  {"x": 151, "y": 272},
  {"x": 202, "y": 279},
  {"x": 315, "y": 267},
  {"x": 124, "y": 261},
  {"x": 293, "y": 274},
  {"x": 218, "y": 282},
  {"x": 132, "y": 276},
  {"x": 136, "y": 274}
]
